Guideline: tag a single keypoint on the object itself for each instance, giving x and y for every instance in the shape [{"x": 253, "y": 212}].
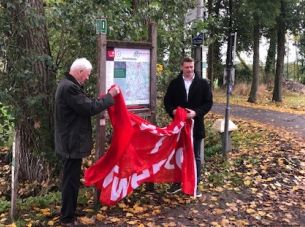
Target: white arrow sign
[{"x": 190, "y": 16}]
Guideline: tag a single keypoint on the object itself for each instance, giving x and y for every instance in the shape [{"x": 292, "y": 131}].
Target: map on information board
[{"x": 130, "y": 70}]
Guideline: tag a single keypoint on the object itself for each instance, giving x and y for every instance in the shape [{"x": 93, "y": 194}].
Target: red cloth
[{"x": 141, "y": 152}]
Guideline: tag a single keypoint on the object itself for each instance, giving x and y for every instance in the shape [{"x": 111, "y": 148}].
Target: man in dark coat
[
  {"x": 190, "y": 91},
  {"x": 73, "y": 132}
]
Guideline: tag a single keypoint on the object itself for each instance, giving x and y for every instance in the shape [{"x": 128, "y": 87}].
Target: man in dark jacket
[
  {"x": 190, "y": 91},
  {"x": 73, "y": 132}
]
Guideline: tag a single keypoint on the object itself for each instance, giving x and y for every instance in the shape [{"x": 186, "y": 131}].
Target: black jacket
[
  {"x": 200, "y": 100},
  {"x": 73, "y": 111}
]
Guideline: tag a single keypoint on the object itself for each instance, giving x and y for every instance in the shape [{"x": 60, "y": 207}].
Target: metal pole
[
  {"x": 229, "y": 65},
  {"x": 198, "y": 49}
]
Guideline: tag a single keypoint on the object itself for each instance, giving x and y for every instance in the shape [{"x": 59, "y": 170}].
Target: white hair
[{"x": 80, "y": 64}]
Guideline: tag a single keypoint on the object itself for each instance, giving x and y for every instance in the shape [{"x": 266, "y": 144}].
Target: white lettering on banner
[
  {"x": 179, "y": 157},
  {"x": 135, "y": 178},
  {"x": 109, "y": 177},
  {"x": 147, "y": 126},
  {"x": 119, "y": 188},
  {"x": 156, "y": 167},
  {"x": 176, "y": 130},
  {"x": 168, "y": 165},
  {"x": 178, "y": 137},
  {"x": 157, "y": 146}
]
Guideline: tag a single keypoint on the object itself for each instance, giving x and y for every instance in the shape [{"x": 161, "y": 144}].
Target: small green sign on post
[{"x": 101, "y": 26}]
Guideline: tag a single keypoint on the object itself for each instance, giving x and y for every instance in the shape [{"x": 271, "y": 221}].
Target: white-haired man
[{"x": 73, "y": 131}]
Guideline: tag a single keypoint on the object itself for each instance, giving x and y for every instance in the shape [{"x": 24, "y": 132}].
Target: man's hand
[
  {"x": 174, "y": 112},
  {"x": 115, "y": 90},
  {"x": 190, "y": 113}
]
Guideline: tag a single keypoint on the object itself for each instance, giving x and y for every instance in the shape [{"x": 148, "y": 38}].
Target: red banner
[{"x": 142, "y": 152}]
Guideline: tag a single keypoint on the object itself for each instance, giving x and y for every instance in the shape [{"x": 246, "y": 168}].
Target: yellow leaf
[
  {"x": 122, "y": 205},
  {"x": 218, "y": 211},
  {"x": 247, "y": 182},
  {"x": 129, "y": 214},
  {"x": 86, "y": 221},
  {"x": 155, "y": 212},
  {"x": 88, "y": 210},
  {"x": 138, "y": 209},
  {"x": 45, "y": 212},
  {"x": 132, "y": 222},
  {"x": 280, "y": 161},
  {"x": 115, "y": 219},
  {"x": 51, "y": 223},
  {"x": 12, "y": 225},
  {"x": 250, "y": 211},
  {"x": 295, "y": 188},
  {"x": 214, "y": 223},
  {"x": 100, "y": 217},
  {"x": 213, "y": 198}
]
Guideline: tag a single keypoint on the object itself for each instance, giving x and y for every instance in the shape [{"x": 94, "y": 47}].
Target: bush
[{"x": 6, "y": 126}]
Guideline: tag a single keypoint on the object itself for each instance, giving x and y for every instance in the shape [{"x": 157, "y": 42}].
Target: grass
[{"x": 292, "y": 102}]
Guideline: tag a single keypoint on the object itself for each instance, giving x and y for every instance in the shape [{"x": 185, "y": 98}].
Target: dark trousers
[
  {"x": 70, "y": 187},
  {"x": 197, "y": 151}
]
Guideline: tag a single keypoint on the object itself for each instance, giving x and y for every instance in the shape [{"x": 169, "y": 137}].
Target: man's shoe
[
  {"x": 198, "y": 194},
  {"x": 174, "y": 189}
]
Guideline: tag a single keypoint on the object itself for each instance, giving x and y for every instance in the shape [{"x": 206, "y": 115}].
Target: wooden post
[
  {"x": 15, "y": 169},
  {"x": 153, "y": 66},
  {"x": 101, "y": 30}
]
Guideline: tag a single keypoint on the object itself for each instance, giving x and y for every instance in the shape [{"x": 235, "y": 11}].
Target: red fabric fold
[{"x": 142, "y": 152}]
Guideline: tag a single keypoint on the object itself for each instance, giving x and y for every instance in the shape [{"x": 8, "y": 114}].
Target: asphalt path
[{"x": 291, "y": 122}]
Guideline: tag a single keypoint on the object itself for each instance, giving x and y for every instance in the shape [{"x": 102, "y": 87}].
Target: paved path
[{"x": 290, "y": 122}]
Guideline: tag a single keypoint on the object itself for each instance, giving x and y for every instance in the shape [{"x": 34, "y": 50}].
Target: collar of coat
[{"x": 72, "y": 78}]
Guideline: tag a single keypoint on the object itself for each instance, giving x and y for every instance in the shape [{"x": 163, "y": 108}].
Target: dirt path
[{"x": 290, "y": 122}]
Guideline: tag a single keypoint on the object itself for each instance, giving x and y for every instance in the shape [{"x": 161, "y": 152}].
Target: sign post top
[
  {"x": 198, "y": 40},
  {"x": 101, "y": 26}
]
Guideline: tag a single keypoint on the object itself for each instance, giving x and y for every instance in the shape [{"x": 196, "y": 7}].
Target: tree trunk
[
  {"x": 270, "y": 60},
  {"x": 277, "y": 90},
  {"x": 255, "y": 81},
  {"x": 31, "y": 58}
]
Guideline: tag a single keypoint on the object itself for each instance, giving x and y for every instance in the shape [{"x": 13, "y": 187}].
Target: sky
[{"x": 290, "y": 52}]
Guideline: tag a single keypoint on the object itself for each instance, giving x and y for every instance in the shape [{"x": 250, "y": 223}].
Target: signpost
[
  {"x": 131, "y": 65},
  {"x": 198, "y": 40},
  {"x": 190, "y": 16},
  {"x": 101, "y": 26},
  {"x": 229, "y": 82}
]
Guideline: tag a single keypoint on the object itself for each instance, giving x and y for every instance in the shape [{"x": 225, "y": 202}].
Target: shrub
[{"x": 6, "y": 126}]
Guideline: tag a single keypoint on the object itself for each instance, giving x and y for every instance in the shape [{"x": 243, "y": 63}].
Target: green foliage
[
  {"x": 4, "y": 205},
  {"x": 6, "y": 126},
  {"x": 213, "y": 145},
  {"x": 39, "y": 201}
]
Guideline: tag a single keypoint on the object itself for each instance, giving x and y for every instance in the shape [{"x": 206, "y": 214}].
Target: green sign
[{"x": 101, "y": 26}]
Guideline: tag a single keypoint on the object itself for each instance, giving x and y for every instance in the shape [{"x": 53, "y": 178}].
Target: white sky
[{"x": 248, "y": 58}]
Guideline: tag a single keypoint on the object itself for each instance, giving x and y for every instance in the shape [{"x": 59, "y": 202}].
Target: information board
[{"x": 130, "y": 69}]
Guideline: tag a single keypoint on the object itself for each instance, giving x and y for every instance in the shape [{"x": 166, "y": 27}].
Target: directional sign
[
  {"x": 101, "y": 26},
  {"x": 190, "y": 16},
  {"x": 198, "y": 40}
]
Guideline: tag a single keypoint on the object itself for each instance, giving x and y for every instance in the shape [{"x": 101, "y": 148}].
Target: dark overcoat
[
  {"x": 200, "y": 100},
  {"x": 73, "y": 111}
]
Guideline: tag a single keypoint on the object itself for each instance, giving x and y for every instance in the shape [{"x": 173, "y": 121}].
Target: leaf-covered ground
[{"x": 261, "y": 183}]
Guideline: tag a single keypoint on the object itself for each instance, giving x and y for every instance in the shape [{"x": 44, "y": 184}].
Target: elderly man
[{"x": 73, "y": 132}]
